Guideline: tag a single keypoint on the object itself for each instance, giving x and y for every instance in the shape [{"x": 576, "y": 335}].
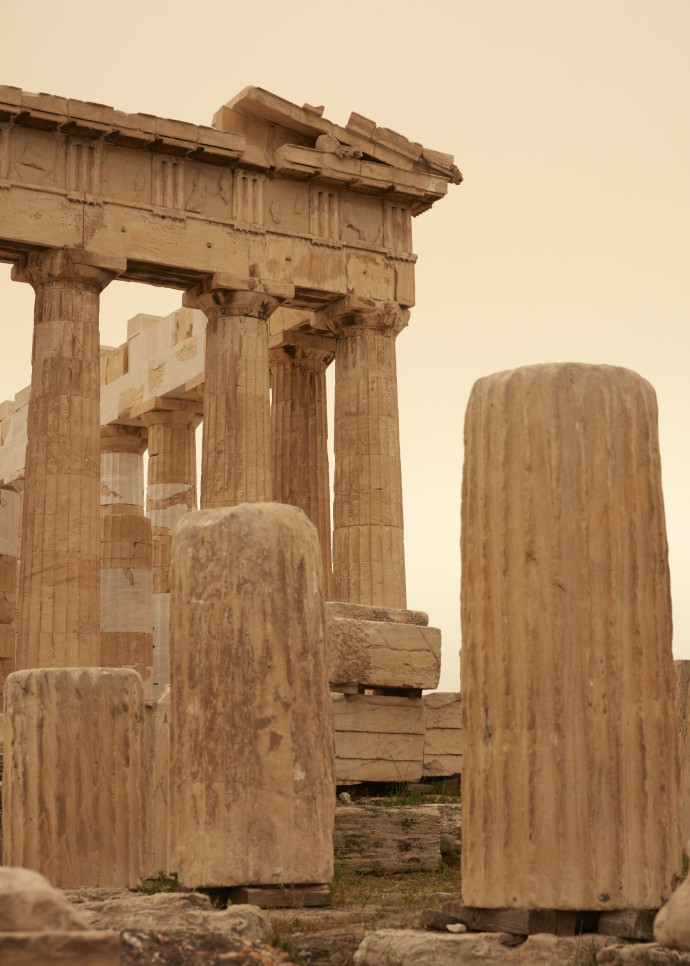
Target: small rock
[
  {"x": 672, "y": 923},
  {"x": 28, "y": 903},
  {"x": 345, "y": 798}
]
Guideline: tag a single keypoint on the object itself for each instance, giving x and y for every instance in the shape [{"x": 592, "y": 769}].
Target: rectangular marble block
[
  {"x": 443, "y": 735},
  {"x": 378, "y": 738},
  {"x": 378, "y": 654}
]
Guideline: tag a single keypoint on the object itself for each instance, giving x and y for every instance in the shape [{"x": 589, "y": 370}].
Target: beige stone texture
[
  {"x": 373, "y": 838},
  {"x": 380, "y": 654},
  {"x": 378, "y": 738},
  {"x": 171, "y": 494},
  {"x": 570, "y": 779},
  {"x": 251, "y": 752},
  {"x": 683, "y": 723},
  {"x": 672, "y": 922},
  {"x": 171, "y": 911},
  {"x": 409, "y": 947},
  {"x": 363, "y": 612},
  {"x": 236, "y": 464},
  {"x": 443, "y": 734},
  {"x": 126, "y": 555},
  {"x": 368, "y": 551},
  {"x": 60, "y": 949},
  {"x": 72, "y": 787},
  {"x": 59, "y": 578},
  {"x": 156, "y": 780},
  {"x": 9, "y": 506},
  {"x": 29, "y": 903},
  {"x": 299, "y": 426}
]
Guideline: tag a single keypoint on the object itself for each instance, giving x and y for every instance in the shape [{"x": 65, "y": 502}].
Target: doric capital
[
  {"x": 291, "y": 347},
  {"x": 358, "y": 312},
  {"x": 230, "y": 295},
  {"x": 76, "y": 266},
  {"x": 173, "y": 412},
  {"x": 120, "y": 438}
]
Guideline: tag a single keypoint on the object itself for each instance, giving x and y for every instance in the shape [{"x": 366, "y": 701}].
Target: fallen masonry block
[
  {"x": 377, "y": 738},
  {"x": 377, "y": 838}
]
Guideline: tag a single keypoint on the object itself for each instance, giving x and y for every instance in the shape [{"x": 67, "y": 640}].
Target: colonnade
[{"x": 83, "y": 528}]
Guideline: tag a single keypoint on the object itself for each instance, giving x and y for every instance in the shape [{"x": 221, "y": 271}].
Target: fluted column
[
  {"x": 171, "y": 494},
  {"x": 9, "y": 522},
  {"x": 59, "y": 577},
  {"x": 236, "y": 447},
  {"x": 368, "y": 548},
  {"x": 126, "y": 554},
  {"x": 299, "y": 423},
  {"x": 570, "y": 777}
]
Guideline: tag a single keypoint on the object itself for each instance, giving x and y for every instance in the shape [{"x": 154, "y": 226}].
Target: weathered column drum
[{"x": 570, "y": 775}]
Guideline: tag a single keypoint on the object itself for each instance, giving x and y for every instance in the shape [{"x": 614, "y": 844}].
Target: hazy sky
[{"x": 568, "y": 240}]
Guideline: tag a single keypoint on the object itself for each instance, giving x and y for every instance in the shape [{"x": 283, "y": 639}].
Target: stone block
[
  {"x": 251, "y": 747},
  {"x": 377, "y": 738},
  {"x": 443, "y": 735},
  {"x": 366, "y": 612},
  {"x": 156, "y": 785},
  {"x": 393, "y": 839},
  {"x": 72, "y": 789},
  {"x": 379, "y": 654}
]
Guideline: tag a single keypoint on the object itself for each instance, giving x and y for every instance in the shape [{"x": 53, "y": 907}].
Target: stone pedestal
[
  {"x": 9, "y": 506},
  {"x": 299, "y": 423},
  {"x": 368, "y": 551},
  {"x": 251, "y": 757},
  {"x": 126, "y": 554},
  {"x": 236, "y": 448},
  {"x": 72, "y": 802},
  {"x": 59, "y": 579},
  {"x": 570, "y": 784},
  {"x": 171, "y": 494}
]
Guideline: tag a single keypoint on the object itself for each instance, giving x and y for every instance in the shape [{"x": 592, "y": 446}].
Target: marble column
[
  {"x": 9, "y": 522},
  {"x": 59, "y": 575},
  {"x": 570, "y": 771},
  {"x": 171, "y": 493},
  {"x": 126, "y": 554},
  {"x": 368, "y": 550},
  {"x": 299, "y": 424},
  {"x": 236, "y": 447}
]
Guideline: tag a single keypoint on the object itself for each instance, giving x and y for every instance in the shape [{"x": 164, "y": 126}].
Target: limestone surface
[
  {"x": 378, "y": 737},
  {"x": 380, "y": 654},
  {"x": 72, "y": 785},
  {"x": 407, "y": 947},
  {"x": 29, "y": 903},
  {"x": 570, "y": 780},
  {"x": 251, "y": 781},
  {"x": 401, "y": 839},
  {"x": 443, "y": 734},
  {"x": 672, "y": 923}
]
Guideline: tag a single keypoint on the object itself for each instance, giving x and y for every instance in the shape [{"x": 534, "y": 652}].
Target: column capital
[
  {"x": 93, "y": 270},
  {"x": 358, "y": 312},
  {"x": 309, "y": 348},
  {"x": 184, "y": 414},
  {"x": 120, "y": 438},
  {"x": 223, "y": 294}
]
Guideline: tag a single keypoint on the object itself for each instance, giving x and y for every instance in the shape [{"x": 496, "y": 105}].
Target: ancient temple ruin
[{"x": 290, "y": 240}]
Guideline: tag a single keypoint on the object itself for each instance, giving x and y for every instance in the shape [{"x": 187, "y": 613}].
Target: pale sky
[{"x": 568, "y": 240}]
